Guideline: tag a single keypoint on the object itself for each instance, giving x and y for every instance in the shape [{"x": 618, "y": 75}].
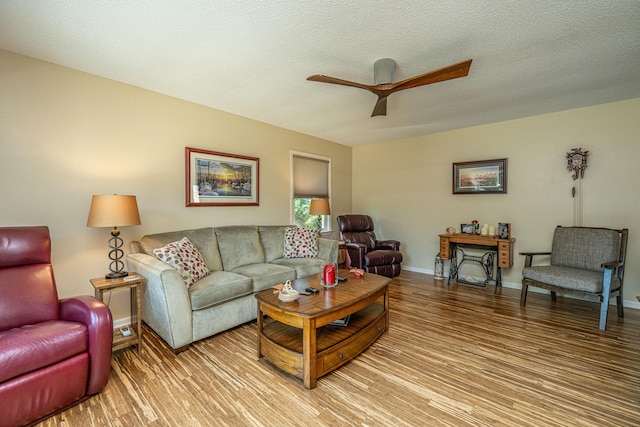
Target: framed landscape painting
[
  {"x": 480, "y": 177},
  {"x": 221, "y": 179}
]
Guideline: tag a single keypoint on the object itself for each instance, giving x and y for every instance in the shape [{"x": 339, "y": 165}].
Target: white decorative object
[{"x": 288, "y": 294}]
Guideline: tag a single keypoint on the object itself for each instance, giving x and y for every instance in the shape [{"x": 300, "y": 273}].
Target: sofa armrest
[
  {"x": 392, "y": 245},
  {"x": 328, "y": 250},
  {"x": 96, "y": 316},
  {"x": 165, "y": 301}
]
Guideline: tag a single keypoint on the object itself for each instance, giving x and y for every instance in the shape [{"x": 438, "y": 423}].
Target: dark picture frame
[
  {"x": 468, "y": 228},
  {"x": 504, "y": 230},
  {"x": 221, "y": 179},
  {"x": 480, "y": 177}
]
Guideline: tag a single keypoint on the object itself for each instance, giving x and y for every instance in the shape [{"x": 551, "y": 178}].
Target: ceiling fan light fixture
[
  {"x": 384, "y": 71},
  {"x": 383, "y": 74}
]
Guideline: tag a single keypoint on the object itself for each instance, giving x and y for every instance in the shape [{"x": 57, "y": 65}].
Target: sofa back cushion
[
  {"x": 202, "y": 238},
  {"x": 272, "y": 238},
  {"x": 239, "y": 245},
  {"x": 585, "y": 248}
]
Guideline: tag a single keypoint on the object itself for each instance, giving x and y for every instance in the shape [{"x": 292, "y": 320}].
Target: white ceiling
[{"x": 252, "y": 58}]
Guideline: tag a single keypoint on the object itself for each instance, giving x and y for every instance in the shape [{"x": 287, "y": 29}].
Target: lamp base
[{"x": 116, "y": 275}]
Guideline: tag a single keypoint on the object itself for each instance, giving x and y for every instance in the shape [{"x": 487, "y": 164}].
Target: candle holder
[{"x": 328, "y": 285}]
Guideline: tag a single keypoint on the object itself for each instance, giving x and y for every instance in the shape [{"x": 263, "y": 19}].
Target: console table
[{"x": 502, "y": 248}]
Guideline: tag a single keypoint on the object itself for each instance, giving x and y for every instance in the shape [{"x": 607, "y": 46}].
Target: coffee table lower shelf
[{"x": 282, "y": 345}]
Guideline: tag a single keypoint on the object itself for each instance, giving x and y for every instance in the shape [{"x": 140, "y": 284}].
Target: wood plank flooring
[{"x": 453, "y": 356}]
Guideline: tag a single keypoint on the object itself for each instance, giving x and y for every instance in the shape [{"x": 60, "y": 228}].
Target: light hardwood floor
[{"x": 453, "y": 356}]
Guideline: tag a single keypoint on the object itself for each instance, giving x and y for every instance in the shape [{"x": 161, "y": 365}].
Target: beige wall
[
  {"x": 406, "y": 185},
  {"x": 65, "y": 135}
]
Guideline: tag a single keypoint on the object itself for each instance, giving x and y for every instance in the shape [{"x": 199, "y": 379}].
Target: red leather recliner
[
  {"x": 53, "y": 353},
  {"x": 366, "y": 252}
]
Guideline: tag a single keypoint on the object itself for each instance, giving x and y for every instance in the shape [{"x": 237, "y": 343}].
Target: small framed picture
[
  {"x": 504, "y": 230},
  {"x": 468, "y": 228}
]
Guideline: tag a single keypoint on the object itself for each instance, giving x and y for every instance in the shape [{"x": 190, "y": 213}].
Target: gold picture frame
[{"x": 221, "y": 179}]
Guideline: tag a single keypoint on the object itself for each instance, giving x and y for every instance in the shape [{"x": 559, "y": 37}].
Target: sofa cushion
[
  {"x": 202, "y": 238},
  {"x": 265, "y": 276},
  {"x": 272, "y": 238},
  {"x": 32, "y": 347},
  {"x": 218, "y": 287},
  {"x": 570, "y": 278},
  {"x": 239, "y": 245},
  {"x": 184, "y": 257},
  {"x": 300, "y": 242}
]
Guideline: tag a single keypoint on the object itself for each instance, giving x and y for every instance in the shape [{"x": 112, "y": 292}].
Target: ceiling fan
[{"x": 383, "y": 86}]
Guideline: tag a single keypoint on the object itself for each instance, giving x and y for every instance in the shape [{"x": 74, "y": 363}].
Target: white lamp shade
[
  {"x": 319, "y": 207},
  {"x": 113, "y": 210}
]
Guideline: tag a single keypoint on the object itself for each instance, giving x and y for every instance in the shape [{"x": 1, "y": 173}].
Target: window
[{"x": 310, "y": 179}]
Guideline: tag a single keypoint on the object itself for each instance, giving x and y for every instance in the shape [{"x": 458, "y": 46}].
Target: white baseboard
[{"x": 626, "y": 303}]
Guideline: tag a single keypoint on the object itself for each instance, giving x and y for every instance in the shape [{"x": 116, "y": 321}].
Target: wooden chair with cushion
[{"x": 585, "y": 261}]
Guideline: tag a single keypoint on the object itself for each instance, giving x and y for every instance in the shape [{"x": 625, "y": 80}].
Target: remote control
[
  {"x": 342, "y": 279},
  {"x": 311, "y": 290}
]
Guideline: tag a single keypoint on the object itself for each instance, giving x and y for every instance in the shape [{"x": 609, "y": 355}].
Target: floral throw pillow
[
  {"x": 300, "y": 242},
  {"x": 184, "y": 257}
]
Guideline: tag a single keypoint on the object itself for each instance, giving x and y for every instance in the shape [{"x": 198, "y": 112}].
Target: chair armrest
[
  {"x": 529, "y": 257},
  {"x": 356, "y": 253},
  {"x": 612, "y": 264},
  {"x": 96, "y": 316},
  {"x": 393, "y": 245}
]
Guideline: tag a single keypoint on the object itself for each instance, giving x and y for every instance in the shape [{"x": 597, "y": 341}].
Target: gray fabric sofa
[{"x": 243, "y": 260}]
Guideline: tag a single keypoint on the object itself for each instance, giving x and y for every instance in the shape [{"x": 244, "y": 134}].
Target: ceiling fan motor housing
[{"x": 384, "y": 71}]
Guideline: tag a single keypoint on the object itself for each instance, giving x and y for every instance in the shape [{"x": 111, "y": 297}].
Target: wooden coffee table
[{"x": 296, "y": 337}]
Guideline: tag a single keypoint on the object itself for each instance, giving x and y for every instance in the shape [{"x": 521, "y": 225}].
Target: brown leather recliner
[
  {"x": 53, "y": 353},
  {"x": 365, "y": 251}
]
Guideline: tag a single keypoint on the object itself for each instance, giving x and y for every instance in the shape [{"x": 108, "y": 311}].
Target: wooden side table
[{"x": 131, "y": 281}]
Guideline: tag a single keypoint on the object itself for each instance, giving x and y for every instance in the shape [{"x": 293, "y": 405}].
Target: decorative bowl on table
[{"x": 287, "y": 293}]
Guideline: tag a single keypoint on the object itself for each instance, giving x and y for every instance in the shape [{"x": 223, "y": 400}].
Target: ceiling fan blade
[
  {"x": 327, "y": 79},
  {"x": 381, "y": 107},
  {"x": 454, "y": 71}
]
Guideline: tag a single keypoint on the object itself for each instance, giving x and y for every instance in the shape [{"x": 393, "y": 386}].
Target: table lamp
[
  {"x": 114, "y": 211},
  {"x": 319, "y": 207}
]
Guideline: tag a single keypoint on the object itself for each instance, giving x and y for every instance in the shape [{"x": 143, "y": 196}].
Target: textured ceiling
[{"x": 252, "y": 58}]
